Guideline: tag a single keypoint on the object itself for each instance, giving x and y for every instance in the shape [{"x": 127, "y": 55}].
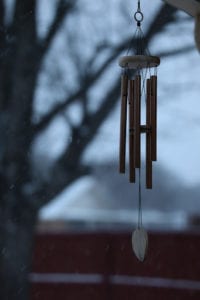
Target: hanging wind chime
[{"x": 138, "y": 85}]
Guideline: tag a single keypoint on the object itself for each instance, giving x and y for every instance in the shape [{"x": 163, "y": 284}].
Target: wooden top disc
[{"x": 139, "y": 61}]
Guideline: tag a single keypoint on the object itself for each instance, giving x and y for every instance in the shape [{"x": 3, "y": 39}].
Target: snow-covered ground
[{"x": 86, "y": 201}]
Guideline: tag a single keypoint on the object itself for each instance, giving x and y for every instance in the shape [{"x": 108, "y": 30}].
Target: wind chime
[{"x": 138, "y": 85}]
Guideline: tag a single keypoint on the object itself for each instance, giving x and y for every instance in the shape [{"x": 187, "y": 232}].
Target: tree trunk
[{"x": 16, "y": 242}]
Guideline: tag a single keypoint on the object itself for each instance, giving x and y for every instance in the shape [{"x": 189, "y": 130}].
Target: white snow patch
[{"x": 86, "y": 193}]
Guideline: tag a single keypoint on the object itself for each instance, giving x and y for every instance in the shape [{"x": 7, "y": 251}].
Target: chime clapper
[{"x": 140, "y": 243}]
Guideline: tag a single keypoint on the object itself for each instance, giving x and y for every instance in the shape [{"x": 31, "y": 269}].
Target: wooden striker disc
[{"x": 139, "y": 61}]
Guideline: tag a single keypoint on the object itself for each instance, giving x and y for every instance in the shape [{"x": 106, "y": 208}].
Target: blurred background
[
  {"x": 86, "y": 50},
  {"x": 59, "y": 129}
]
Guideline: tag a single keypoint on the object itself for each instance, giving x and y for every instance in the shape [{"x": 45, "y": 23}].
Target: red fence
[{"x": 102, "y": 266}]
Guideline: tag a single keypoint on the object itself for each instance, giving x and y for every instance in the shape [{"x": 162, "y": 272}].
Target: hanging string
[
  {"x": 139, "y": 203},
  {"x": 155, "y": 71},
  {"x": 144, "y": 77},
  {"x": 133, "y": 43}
]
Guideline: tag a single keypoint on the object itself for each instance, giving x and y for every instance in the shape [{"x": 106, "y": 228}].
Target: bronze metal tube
[
  {"x": 148, "y": 136},
  {"x": 122, "y": 145},
  {"x": 154, "y": 117},
  {"x": 137, "y": 119},
  {"x": 131, "y": 133}
]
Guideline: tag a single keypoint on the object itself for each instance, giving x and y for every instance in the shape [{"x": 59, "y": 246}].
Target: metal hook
[{"x": 138, "y": 16}]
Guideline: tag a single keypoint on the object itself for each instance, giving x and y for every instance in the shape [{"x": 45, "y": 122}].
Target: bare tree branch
[
  {"x": 89, "y": 80},
  {"x": 175, "y": 52},
  {"x": 63, "y": 8},
  {"x": 164, "y": 16}
]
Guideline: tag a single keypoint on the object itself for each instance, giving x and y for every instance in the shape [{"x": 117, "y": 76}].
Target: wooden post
[
  {"x": 154, "y": 117},
  {"x": 137, "y": 119},
  {"x": 148, "y": 136},
  {"x": 131, "y": 133},
  {"x": 122, "y": 147}
]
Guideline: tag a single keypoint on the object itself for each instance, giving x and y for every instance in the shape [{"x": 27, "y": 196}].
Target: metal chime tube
[
  {"x": 148, "y": 136},
  {"x": 154, "y": 117},
  {"x": 137, "y": 118},
  {"x": 131, "y": 132},
  {"x": 122, "y": 150}
]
